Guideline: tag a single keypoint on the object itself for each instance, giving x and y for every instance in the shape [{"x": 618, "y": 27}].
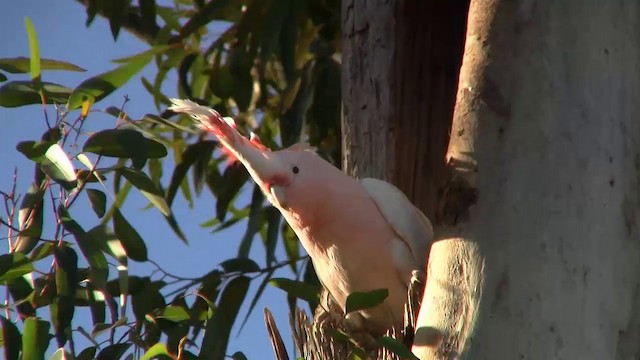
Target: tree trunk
[
  {"x": 541, "y": 199},
  {"x": 400, "y": 64},
  {"x": 546, "y": 131}
]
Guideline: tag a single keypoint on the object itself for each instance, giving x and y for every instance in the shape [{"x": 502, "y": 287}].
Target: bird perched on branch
[{"x": 361, "y": 235}]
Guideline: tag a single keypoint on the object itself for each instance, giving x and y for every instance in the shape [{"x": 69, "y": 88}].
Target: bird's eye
[{"x": 295, "y": 170}]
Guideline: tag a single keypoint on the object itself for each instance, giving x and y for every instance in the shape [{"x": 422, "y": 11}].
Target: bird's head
[{"x": 286, "y": 177}]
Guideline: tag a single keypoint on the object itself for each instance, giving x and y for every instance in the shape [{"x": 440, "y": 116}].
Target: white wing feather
[{"x": 414, "y": 230}]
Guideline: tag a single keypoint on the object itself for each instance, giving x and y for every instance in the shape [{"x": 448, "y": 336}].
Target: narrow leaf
[
  {"x": 114, "y": 351},
  {"x": 14, "y": 265},
  {"x": 30, "y": 219},
  {"x": 291, "y": 245},
  {"x": 129, "y": 237},
  {"x": 365, "y": 300},
  {"x": 273, "y": 225},
  {"x": 87, "y": 354},
  {"x": 21, "y": 65},
  {"x": 156, "y": 50},
  {"x": 98, "y": 201},
  {"x": 35, "y": 338},
  {"x": 256, "y": 297},
  {"x": 11, "y": 341},
  {"x": 66, "y": 276},
  {"x": 297, "y": 289},
  {"x": 20, "y": 93},
  {"x": 256, "y": 219},
  {"x": 189, "y": 157},
  {"x": 91, "y": 250},
  {"x": 154, "y": 351},
  {"x": 33, "y": 150},
  {"x": 234, "y": 177},
  {"x": 174, "y": 313},
  {"x": 148, "y": 189},
  {"x": 57, "y": 165},
  {"x": 34, "y": 51},
  {"x": 124, "y": 143},
  {"x": 240, "y": 264},
  {"x": 60, "y": 354},
  {"x": 218, "y": 328},
  {"x": 96, "y": 88}
]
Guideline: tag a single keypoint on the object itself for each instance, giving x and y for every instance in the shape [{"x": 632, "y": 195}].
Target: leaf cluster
[{"x": 274, "y": 66}]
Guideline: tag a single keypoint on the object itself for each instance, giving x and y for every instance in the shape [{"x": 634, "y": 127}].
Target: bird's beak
[{"x": 277, "y": 192}]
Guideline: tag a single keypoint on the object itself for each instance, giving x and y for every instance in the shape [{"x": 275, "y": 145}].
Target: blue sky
[{"x": 63, "y": 36}]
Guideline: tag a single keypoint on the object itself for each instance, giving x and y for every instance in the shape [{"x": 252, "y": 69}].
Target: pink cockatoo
[{"x": 361, "y": 235}]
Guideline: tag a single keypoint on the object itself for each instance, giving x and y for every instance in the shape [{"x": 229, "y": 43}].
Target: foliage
[{"x": 273, "y": 69}]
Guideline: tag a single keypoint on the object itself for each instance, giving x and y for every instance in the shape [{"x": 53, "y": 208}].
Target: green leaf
[
  {"x": 129, "y": 237},
  {"x": 218, "y": 328},
  {"x": 87, "y": 354},
  {"x": 125, "y": 144},
  {"x": 365, "y": 300},
  {"x": 206, "y": 294},
  {"x": 35, "y": 338},
  {"x": 11, "y": 341},
  {"x": 171, "y": 220},
  {"x": 97, "y": 304},
  {"x": 90, "y": 249},
  {"x": 14, "y": 265},
  {"x": 273, "y": 224},
  {"x": 116, "y": 12},
  {"x": 233, "y": 178},
  {"x": 98, "y": 201},
  {"x": 256, "y": 297},
  {"x": 60, "y": 354},
  {"x": 238, "y": 356},
  {"x": 148, "y": 14},
  {"x": 189, "y": 157},
  {"x": 240, "y": 264},
  {"x": 156, "y": 350},
  {"x": 57, "y": 165},
  {"x": 156, "y": 50},
  {"x": 291, "y": 245},
  {"x": 288, "y": 40},
  {"x": 240, "y": 69},
  {"x": 146, "y": 186},
  {"x": 21, "y": 65},
  {"x": 34, "y": 50},
  {"x": 114, "y": 351},
  {"x": 20, "y": 93},
  {"x": 396, "y": 347},
  {"x": 42, "y": 251},
  {"x": 20, "y": 289},
  {"x": 66, "y": 283},
  {"x": 96, "y": 88},
  {"x": 174, "y": 313},
  {"x": 33, "y": 150},
  {"x": 256, "y": 219},
  {"x": 66, "y": 271},
  {"x": 30, "y": 219},
  {"x": 146, "y": 299},
  {"x": 297, "y": 289}
]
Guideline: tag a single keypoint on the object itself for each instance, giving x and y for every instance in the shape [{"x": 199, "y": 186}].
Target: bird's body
[{"x": 361, "y": 235}]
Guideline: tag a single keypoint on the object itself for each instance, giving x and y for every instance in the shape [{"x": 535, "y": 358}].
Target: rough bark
[
  {"x": 401, "y": 61},
  {"x": 546, "y": 131},
  {"x": 399, "y": 78}
]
